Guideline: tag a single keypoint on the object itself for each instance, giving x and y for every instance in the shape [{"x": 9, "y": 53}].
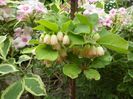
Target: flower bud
[
  {"x": 60, "y": 36},
  {"x": 92, "y": 52},
  {"x": 46, "y": 39},
  {"x": 66, "y": 40},
  {"x": 96, "y": 37},
  {"x": 100, "y": 51},
  {"x": 54, "y": 40}
]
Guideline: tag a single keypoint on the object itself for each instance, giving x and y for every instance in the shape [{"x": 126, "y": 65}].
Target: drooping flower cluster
[
  {"x": 55, "y": 40},
  {"x": 89, "y": 51},
  {"x": 22, "y": 36},
  {"x": 30, "y": 7}
]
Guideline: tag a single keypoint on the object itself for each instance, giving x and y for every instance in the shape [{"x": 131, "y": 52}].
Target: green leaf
[
  {"x": 39, "y": 28},
  {"x": 23, "y": 58},
  {"x": 83, "y": 19},
  {"x": 2, "y": 39},
  {"x": 127, "y": 78},
  {"x": 93, "y": 20},
  {"x": 131, "y": 90},
  {"x": 82, "y": 29},
  {"x": 46, "y": 53},
  {"x": 50, "y": 25},
  {"x": 122, "y": 87},
  {"x": 130, "y": 56},
  {"x": 34, "y": 85},
  {"x": 101, "y": 62},
  {"x": 4, "y": 49},
  {"x": 100, "y": 5},
  {"x": 28, "y": 50},
  {"x": 33, "y": 41},
  {"x": 7, "y": 68},
  {"x": 14, "y": 91},
  {"x": 114, "y": 42},
  {"x": 71, "y": 70},
  {"x": 11, "y": 61},
  {"x": 92, "y": 74},
  {"x": 66, "y": 25},
  {"x": 76, "y": 39},
  {"x": 130, "y": 73},
  {"x": 90, "y": 20}
]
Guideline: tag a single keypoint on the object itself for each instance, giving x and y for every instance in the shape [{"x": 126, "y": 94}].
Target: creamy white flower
[
  {"x": 66, "y": 40},
  {"x": 53, "y": 40}
]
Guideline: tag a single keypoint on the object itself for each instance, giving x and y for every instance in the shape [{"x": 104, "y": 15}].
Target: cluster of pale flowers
[
  {"x": 56, "y": 40},
  {"x": 30, "y": 7},
  {"x": 107, "y": 19},
  {"x": 22, "y": 36},
  {"x": 90, "y": 50}
]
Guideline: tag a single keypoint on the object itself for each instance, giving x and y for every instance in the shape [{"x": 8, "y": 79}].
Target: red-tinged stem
[{"x": 72, "y": 82}]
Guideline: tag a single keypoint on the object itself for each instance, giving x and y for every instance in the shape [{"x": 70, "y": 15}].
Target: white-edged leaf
[
  {"x": 7, "y": 68},
  {"x": 14, "y": 91},
  {"x": 4, "y": 48},
  {"x": 23, "y": 58},
  {"x": 34, "y": 85},
  {"x": 2, "y": 39}
]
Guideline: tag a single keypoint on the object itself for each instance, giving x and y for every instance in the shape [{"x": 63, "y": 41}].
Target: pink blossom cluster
[
  {"x": 120, "y": 15},
  {"x": 3, "y": 2},
  {"x": 22, "y": 37},
  {"x": 106, "y": 19},
  {"x": 29, "y": 7}
]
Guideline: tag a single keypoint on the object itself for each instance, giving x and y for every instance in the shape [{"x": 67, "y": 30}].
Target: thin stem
[
  {"x": 74, "y": 8},
  {"x": 72, "y": 82},
  {"x": 72, "y": 86}
]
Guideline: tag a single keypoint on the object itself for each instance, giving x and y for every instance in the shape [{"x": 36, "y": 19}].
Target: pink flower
[
  {"x": 21, "y": 17},
  {"x": 25, "y": 38},
  {"x": 40, "y": 8},
  {"x": 107, "y": 22},
  {"x": 18, "y": 43},
  {"x": 21, "y": 41},
  {"x": 112, "y": 12},
  {"x": 18, "y": 32},
  {"x": 2, "y": 2},
  {"x": 122, "y": 10},
  {"x": 25, "y": 9}
]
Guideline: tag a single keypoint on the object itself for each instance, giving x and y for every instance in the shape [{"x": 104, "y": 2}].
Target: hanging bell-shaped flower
[
  {"x": 100, "y": 51},
  {"x": 66, "y": 40},
  {"x": 46, "y": 39},
  {"x": 53, "y": 40},
  {"x": 60, "y": 36}
]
